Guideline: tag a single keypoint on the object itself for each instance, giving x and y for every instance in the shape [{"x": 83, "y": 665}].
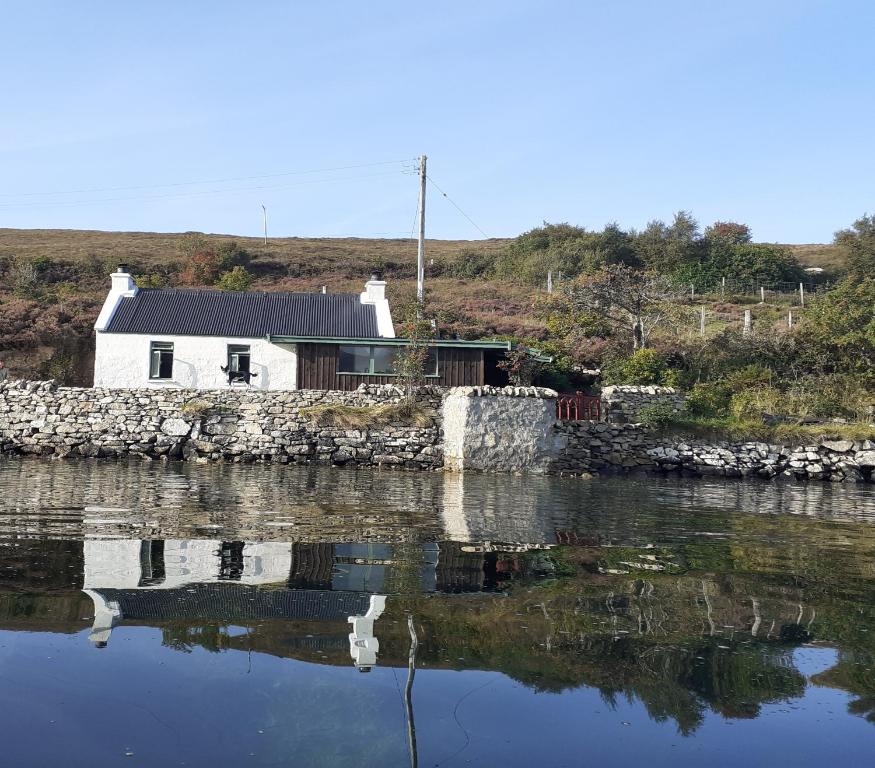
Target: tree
[
  {"x": 624, "y": 299},
  {"x": 840, "y": 325},
  {"x": 236, "y": 279},
  {"x": 858, "y": 244},
  {"x": 728, "y": 232},
  {"x": 410, "y": 360},
  {"x": 521, "y": 366}
]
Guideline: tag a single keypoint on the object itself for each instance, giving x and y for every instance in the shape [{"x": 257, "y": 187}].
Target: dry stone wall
[
  {"x": 233, "y": 425},
  {"x": 595, "y": 447},
  {"x": 622, "y": 404},
  {"x": 510, "y": 429}
]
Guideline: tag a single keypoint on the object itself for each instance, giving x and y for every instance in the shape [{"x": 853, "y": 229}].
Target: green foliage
[
  {"x": 656, "y": 415},
  {"x": 470, "y": 264},
  {"x": 643, "y": 366},
  {"x": 708, "y": 399},
  {"x": 235, "y": 279},
  {"x": 858, "y": 245},
  {"x": 150, "y": 280},
  {"x": 566, "y": 250},
  {"x": 839, "y": 328}
]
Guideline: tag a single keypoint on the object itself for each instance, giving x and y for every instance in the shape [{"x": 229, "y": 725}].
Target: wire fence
[{"x": 729, "y": 288}]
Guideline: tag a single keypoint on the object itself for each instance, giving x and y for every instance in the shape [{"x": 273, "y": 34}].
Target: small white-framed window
[
  {"x": 161, "y": 360},
  {"x": 238, "y": 358}
]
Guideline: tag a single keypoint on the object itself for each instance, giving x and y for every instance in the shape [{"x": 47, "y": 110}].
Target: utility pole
[
  {"x": 420, "y": 251},
  {"x": 264, "y": 211}
]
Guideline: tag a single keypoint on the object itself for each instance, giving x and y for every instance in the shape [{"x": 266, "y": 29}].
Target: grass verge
[{"x": 733, "y": 429}]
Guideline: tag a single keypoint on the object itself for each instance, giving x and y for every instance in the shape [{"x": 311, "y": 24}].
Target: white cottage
[{"x": 207, "y": 339}]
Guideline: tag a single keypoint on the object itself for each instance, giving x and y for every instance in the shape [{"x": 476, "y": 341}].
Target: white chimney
[
  {"x": 121, "y": 285},
  {"x": 122, "y": 280},
  {"x": 375, "y": 293},
  {"x": 375, "y": 289}
]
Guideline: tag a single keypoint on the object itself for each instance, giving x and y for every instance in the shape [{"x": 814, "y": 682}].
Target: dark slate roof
[
  {"x": 198, "y": 312},
  {"x": 226, "y": 602}
]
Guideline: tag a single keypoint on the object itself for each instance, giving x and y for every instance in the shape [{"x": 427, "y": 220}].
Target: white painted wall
[
  {"x": 115, "y": 563},
  {"x": 122, "y": 360}
]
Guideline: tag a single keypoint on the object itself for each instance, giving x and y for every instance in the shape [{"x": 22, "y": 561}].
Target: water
[{"x": 159, "y": 615}]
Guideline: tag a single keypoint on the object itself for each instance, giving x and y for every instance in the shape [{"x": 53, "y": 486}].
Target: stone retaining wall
[
  {"x": 499, "y": 429},
  {"x": 594, "y": 447},
  {"x": 510, "y": 429},
  {"x": 232, "y": 425},
  {"x": 622, "y": 404}
]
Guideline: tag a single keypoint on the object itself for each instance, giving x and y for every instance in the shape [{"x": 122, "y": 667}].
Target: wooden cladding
[{"x": 318, "y": 363}]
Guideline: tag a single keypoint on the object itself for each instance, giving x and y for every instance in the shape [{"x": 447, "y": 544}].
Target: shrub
[
  {"x": 236, "y": 279},
  {"x": 656, "y": 415},
  {"x": 709, "y": 399},
  {"x": 643, "y": 366}
]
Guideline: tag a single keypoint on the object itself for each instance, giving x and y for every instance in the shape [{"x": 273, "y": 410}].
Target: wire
[
  {"x": 69, "y": 203},
  {"x": 456, "y": 206},
  {"x": 207, "y": 181}
]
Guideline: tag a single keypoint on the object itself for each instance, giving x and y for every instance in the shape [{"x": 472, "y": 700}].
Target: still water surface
[{"x": 156, "y": 615}]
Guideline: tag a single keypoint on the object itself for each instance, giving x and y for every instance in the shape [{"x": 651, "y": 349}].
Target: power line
[
  {"x": 199, "y": 193},
  {"x": 455, "y": 205},
  {"x": 206, "y": 181}
]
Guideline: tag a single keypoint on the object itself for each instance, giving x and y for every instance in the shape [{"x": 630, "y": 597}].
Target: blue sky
[{"x": 586, "y": 112}]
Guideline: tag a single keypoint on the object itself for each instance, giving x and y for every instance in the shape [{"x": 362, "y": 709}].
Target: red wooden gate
[{"x": 576, "y": 406}]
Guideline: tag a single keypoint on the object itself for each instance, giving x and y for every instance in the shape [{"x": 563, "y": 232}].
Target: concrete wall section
[
  {"x": 122, "y": 361},
  {"x": 491, "y": 429}
]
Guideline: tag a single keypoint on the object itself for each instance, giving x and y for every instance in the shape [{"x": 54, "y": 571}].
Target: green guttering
[{"x": 386, "y": 341}]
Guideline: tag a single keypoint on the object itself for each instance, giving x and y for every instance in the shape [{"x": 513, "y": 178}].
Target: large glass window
[
  {"x": 161, "y": 360},
  {"x": 384, "y": 360},
  {"x": 238, "y": 358},
  {"x": 378, "y": 360},
  {"x": 354, "y": 358}
]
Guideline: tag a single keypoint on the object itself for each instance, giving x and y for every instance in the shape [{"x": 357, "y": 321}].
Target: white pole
[
  {"x": 702, "y": 322},
  {"x": 692, "y": 291},
  {"x": 420, "y": 250},
  {"x": 264, "y": 211},
  {"x": 748, "y": 322},
  {"x": 550, "y": 281},
  {"x": 722, "y": 287},
  {"x": 790, "y": 319},
  {"x": 801, "y": 294},
  {"x": 762, "y": 295}
]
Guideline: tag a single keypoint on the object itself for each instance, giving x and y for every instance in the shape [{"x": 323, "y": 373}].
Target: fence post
[
  {"x": 722, "y": 287},
  {"x": 790, "y": 319},
  {"x": 692, "y": 291},
  {"x": 748, "y": 322},
  {"x": 702, "y": 322},
  {"x": 550, "y": 281},
  {"x": 762, "y": 295},
  {"x": 801, "y": 295}
]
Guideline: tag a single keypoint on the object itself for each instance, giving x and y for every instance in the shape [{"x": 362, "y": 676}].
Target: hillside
[{"x": 46, "y": 331}]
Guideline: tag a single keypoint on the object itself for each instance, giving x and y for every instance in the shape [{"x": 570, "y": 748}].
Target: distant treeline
[{"x": 680, "y": 250}]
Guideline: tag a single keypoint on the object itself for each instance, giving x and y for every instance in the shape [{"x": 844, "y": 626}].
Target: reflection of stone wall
[
  {"x": 498, "y": 429},
  {"x": 234, "y": 425},
  {"x": 621, "y": 405},
  {"x": 594, "y": 447}
]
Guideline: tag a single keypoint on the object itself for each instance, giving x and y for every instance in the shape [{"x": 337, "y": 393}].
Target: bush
[
  {"x": 709, "y": 399},
  {"x": 236, "y": 279},
  {"x": 643, "y": 366},
  {"x": 656, "y": 415}
]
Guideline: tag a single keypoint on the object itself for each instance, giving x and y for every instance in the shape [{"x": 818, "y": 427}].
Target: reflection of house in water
[{"x": 188, "y": 580}]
